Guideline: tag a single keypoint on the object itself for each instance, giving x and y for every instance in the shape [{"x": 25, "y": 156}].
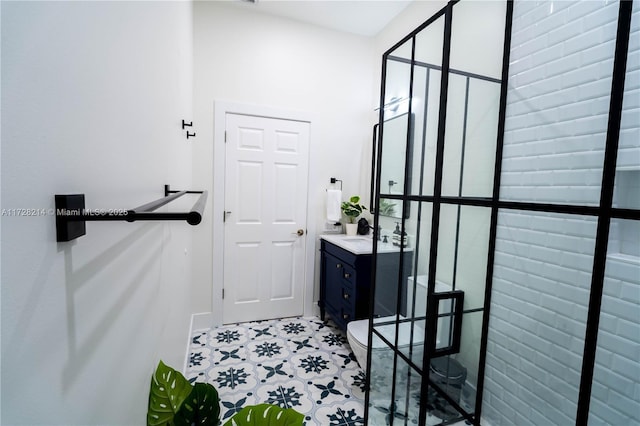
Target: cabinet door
[{"x": 334, "y": 269}]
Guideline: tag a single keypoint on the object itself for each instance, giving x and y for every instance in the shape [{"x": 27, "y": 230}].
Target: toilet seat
[
  {"x": 358, "y": 335},
  {"x": 359, "y": 330}
]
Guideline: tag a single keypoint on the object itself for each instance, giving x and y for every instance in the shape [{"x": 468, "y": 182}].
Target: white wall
[
  {"x": 250, "y": 58},
  {"x": 92, "y": 98}
]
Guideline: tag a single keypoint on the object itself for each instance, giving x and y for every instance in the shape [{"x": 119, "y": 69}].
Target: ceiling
[{"x": 363, "y": 17}]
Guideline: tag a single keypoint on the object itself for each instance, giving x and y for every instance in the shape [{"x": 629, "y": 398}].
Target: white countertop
[{"x": 359, "y": 244}]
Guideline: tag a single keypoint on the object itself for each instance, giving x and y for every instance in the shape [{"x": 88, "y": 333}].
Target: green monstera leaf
[
  {"x": 169, "y": 389},
  {"x": 202, "y": 407},
  {"x": 266, "y": 415}
]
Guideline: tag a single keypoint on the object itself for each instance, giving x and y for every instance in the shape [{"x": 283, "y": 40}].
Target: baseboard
[
  {"x": 201, "y": 320},
  {"x": 198, "y": 322}
]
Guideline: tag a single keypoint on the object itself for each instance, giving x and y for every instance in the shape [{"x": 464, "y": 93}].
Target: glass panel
[
  {"x": 444, "y": 326},
  {"x": 402, "y": 52},
  {"x": 429, "y": 44},
  {"x": 382, "y": 369},
  {"x": 426, "y": 93},
  {"x": 390, "y": 283},
  {"x": 417, "y": 129},
  {"x": 394, "y": 129},
  {"x": 446, "y": 246},
  {"x": 624, "y": 240},
  {"x": 558, "y": 102},
  {"x": 449, "y": 376},
  {"x": 413, "y": 328},
  {"x": 481, "y": 135},
  {"x": 626, "y": 193},
  {"x": 616, "y": 376},
  {"x": 456, "y": 101},
  {"x": 469, "y": 358},
  {"x": 394, "y": 144},
  {"x": 473, "y": 99},
  {"x": 387, "y": 287},
  {"x": 478, "y": 51},
  {"x": 473, "y": 249},
  {"x": 418, "y": 228},
  {"x": 627, "y": 190},
  {"x": 397, "y": 82},
  {"x": 431, "y": 132},
  {"x": 463, "y": 246},
  {"x": 540, "y": 295},
  {"x": 407, "y": 398},
  {"x": 616, "y": 379},
  {"x": 389, "y": 208}
]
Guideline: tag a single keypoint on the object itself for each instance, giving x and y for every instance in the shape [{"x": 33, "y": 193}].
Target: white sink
[
  {"x": 363, "y": 244},
  {"x": 358, "y": 244},
  {"x": 355, "y": 244}
]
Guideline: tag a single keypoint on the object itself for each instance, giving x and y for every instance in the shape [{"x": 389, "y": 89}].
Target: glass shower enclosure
[
  {"x": 523, "y": 266},
  {"x": 435, "y": 196}
]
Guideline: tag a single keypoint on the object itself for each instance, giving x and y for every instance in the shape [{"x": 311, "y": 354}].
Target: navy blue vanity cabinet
[{"x": 345, "y": 282}]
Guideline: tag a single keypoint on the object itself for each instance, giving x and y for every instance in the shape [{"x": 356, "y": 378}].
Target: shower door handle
[{"x": 452, "y": 334}]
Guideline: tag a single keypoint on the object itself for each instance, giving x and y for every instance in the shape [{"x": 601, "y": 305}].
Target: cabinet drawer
[
  {"x": 344, "y": 316},
  {"x": 347, "y": 315},
  {"x": 348, "y": 276},
  {"x": 344, "y": 255},
  {"x": 340, "y": 315},
  {"x": 348, "y": 295}
]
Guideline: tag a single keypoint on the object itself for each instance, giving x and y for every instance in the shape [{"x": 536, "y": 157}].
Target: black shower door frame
[{"x": 604, "y": 211}]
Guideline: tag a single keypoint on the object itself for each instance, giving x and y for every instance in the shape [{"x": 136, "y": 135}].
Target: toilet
[{"x": 358, "y": 331}]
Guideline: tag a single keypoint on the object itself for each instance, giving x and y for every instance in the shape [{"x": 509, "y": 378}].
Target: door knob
[{"x": 300, "y": 232}]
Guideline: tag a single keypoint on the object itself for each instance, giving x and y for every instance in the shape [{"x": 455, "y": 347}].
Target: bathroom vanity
[{"x": 346, "y": 278}]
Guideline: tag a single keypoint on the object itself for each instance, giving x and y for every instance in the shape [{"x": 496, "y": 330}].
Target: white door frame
[{"x": 220, "y": 110}]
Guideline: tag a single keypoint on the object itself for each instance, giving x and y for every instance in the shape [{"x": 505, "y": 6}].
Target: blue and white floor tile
[{"x": 299, "y": 363}]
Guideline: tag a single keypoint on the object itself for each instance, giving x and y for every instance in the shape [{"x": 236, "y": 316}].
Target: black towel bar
[
  {"x": 71, "y": 213},
  {"x": 334, "y": 180}
]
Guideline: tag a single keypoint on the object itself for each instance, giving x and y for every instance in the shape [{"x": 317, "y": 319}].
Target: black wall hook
[
  {"x": 185, "y": 124},
  {"x": 191, "y": 135}
]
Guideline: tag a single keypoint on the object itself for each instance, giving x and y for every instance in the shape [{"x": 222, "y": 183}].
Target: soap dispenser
[
  {"x": 396, "y": 239},
  {"x": 404, "y": 239}
]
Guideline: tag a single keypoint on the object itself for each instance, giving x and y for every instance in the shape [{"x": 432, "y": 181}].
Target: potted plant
[{"x": 352, "y": 209}]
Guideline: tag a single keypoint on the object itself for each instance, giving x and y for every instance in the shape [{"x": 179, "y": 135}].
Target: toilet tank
[{"x": 420, "y": 308}]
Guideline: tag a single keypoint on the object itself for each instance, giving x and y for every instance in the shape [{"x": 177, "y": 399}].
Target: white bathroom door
[{"x": 265, "y": 217}]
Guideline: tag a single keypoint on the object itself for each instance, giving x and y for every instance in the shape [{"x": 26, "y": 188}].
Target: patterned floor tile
[
  {"x": 299, "y": 363},
  {"x": 307, "y": 365}
]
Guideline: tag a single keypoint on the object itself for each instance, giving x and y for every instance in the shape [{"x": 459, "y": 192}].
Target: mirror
[{"x": 393, "y": 169}]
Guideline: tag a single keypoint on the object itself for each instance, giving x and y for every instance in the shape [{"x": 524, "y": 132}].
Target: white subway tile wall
[
  {"x": 616, "y": 377},
  {"x": 559, "y": 86},
  {"x": 629, "y": 148},
  {"x": 538, "y": 317},
  {"x": 558, "y": 101}
]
